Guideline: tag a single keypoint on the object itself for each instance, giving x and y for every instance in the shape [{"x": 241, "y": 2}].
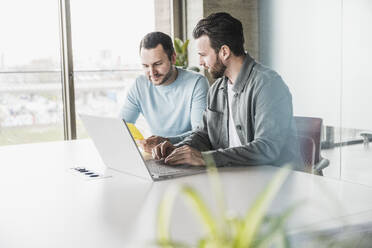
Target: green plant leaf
[
  {"x": 184, "y": 47},
  {"x": 216, "y": 187},
  {"x": 201, "y": 209},
  {"x": 275, "y": 229},
  {"x": 223, "y": 231},
  {"x": 164, "y": 213},
  {"x": 181, "y": 52},
  {"x": 171, "y": 244},
  {"x": 178, "y": 45},
  {"x": 165, "y": 210},
  {"x": 254, "y": 217}
]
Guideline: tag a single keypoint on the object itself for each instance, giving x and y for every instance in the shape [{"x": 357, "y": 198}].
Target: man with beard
[
  {"x": 171, "y": 99},
  {"x": 249, "y": 119}
]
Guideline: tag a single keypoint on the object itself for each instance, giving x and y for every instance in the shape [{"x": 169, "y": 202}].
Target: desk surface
[
  {"x": 44, "y": 205},
  {"x": 350, "y": 163}
]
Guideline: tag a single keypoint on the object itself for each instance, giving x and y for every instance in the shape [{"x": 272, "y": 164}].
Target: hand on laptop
[
  {"x": 149, "y": 143},
  {"x": 162, "y": 150},
  {"x": 181, "y": 155},
  {"x": 185, "y": 155}
]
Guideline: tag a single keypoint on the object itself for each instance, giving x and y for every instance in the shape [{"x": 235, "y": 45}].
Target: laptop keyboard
[{"x": 159, "y": 168}]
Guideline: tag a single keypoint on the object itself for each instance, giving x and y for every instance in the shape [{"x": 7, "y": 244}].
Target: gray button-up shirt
[{"x": 263, "y": 117}]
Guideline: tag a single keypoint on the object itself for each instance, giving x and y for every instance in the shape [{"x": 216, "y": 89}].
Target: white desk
[
  {"x": 44, "y": 205},
  {"x": 351, "y": 163}
]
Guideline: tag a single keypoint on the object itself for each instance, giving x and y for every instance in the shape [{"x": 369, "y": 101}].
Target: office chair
[
  {"x": 308, "y": 135},
  {"x": 366, "y": 138}
]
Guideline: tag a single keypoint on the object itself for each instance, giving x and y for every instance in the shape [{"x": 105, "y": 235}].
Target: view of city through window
[{"x": 105, "y": 40}]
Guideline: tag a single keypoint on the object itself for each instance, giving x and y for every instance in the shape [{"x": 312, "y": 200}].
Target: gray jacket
[{"x": 263, "y": 117}]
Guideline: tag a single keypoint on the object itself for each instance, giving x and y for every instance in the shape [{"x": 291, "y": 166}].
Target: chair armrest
[
  {"x": 366, "y": 135},
  {"x": 323, "y": 163},
  {"x": 366, "y": 138}
]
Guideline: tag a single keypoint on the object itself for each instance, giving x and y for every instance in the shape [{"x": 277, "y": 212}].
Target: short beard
[
  {"x": 218, "y": 69},
  {"x": 168, "y": 75}
]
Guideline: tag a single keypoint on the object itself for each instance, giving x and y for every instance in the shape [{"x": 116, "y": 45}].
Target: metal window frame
[
  {"x": 178, "y": 27},
  {"x": 67, "y": 71},
  {"x": 178, "y": 19}
]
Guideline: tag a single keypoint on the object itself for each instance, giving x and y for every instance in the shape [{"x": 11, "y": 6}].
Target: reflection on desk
[
  {"x": 352, "y": 163},
  {"x": 43, "y": 205}
]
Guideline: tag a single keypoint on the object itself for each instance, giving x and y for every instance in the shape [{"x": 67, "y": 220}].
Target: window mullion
[{"x": 67, "y": 68}]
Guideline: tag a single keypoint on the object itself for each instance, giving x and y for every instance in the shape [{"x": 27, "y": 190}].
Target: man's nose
[
  {"x": 152, "y": 71},
  {"x": 201, "y": 61}
]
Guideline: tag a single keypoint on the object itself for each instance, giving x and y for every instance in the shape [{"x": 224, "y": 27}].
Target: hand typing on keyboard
[
  {"x": 162, "y": 150},
  {"x": 177, "y": 155},
  {"x": 149, "y": 143}
]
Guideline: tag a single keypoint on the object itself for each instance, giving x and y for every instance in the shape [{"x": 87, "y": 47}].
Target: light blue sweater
[{"x": 171, "y": 111}]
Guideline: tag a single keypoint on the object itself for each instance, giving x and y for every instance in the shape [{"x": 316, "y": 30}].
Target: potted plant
[
  {"x": 255, "y": 229},
  {"x": 182, "y": 59}
]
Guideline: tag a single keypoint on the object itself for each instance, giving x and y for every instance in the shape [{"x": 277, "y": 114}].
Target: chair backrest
[
  {"x": 307, "y": 150},
  {"x": 309, "y": 127}
]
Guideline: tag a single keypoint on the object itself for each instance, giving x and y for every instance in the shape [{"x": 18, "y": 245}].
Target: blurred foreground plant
[{"x": 255, "y": 229}]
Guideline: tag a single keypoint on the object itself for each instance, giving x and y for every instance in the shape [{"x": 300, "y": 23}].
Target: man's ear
[
  {"x": 225, "y": 52},
  {"x": 173, "y": 60}
]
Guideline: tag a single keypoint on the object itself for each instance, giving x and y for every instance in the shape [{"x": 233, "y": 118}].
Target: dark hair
[
  {"x": 222, "y": 29},
  {"x": 153, "y": 39}
]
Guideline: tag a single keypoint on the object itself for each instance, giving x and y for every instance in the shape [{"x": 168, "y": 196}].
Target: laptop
[{"x": 119, "y": 151}]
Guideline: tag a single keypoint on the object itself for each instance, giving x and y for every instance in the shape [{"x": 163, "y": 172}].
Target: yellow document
[{"x": 135, "y": 132}]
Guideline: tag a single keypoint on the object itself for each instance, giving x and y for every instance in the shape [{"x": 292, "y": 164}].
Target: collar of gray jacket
[{"x": 243, "y": 76}]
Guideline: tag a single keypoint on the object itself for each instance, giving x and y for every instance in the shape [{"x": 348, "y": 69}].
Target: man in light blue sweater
[{"x": 171, "y": 99}]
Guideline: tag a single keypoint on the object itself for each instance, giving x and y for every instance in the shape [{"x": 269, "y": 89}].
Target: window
[
  {"x": 105, "y": 39},
  {"x": 30, "y": 78}
]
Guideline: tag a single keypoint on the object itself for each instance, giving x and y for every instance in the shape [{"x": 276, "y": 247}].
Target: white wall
[
  {"x": 357, "y": 64},
  {"x": 300, "y": 39},
  {"x": 323, "y": 50}
]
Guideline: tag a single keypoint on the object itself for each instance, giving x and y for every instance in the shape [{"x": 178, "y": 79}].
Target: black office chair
[{"x": 308, "y": 135}]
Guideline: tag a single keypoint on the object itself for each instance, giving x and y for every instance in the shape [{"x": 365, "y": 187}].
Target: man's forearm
[
  {"x": 254, "y": 153},
  {"x": 179, "y": 138},
  {"x": 198, "y": 140}
]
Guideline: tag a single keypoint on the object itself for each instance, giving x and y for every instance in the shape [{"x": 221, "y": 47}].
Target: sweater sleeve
[
  {"x": 131, "y": 107},
  {"x": 198, "y": 106}
]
